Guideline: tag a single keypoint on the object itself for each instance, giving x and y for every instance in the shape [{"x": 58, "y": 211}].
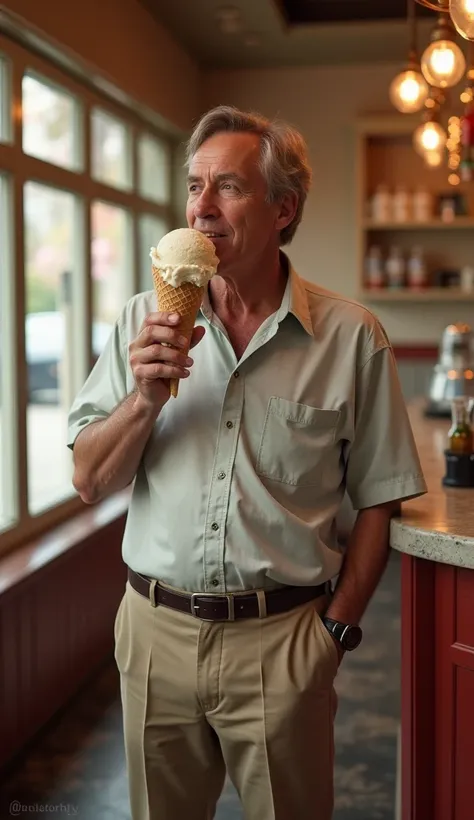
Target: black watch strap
[
  {"x": 348, "y": 635},
  {"x": 336, "y": 628}
]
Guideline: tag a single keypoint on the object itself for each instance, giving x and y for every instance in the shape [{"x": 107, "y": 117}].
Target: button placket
[{"x": 214, "y": 537}]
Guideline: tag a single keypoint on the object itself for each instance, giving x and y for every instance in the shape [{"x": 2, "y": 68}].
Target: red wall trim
[
  {"x": 416, "y": 352},
  {"x": 418, "y": 702}
]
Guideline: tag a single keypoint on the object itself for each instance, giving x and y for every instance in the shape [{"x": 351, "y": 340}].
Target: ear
[{"x": 287, "y": 210}]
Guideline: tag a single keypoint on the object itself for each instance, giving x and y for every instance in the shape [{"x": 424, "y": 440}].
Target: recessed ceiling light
[{"x": 229, "y": 19}]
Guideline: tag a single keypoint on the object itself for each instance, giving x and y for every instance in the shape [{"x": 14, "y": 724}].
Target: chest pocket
[{"x": 298, "y": 442}]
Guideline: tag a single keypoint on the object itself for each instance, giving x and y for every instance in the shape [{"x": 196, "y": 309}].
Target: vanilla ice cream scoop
[{"x": 185, "y": 255}]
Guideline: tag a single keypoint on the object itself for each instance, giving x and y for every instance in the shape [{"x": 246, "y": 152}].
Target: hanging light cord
[{"x": 411, "y": 17}]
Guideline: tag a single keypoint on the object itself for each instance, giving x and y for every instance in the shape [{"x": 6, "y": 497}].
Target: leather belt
[{"x": 230, "y": 607}]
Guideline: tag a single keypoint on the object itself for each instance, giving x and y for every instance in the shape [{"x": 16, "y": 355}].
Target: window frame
[{"x": 20, "y": 168}]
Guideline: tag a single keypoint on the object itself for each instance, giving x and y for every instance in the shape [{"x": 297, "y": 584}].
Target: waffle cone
[{"x": 185, "y": 300}]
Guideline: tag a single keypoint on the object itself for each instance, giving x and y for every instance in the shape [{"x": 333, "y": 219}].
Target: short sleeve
[
  {"x": 382, "y": 462},
  {"x": 104, "y": 389}
]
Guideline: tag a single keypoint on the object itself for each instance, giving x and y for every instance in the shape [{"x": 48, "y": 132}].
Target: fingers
[
  {"x": 160, "y": 328},
  {"x": 144, "y": 372},
  {"x": 160, "y": 334},
  {"x": 160, "y": 353}
]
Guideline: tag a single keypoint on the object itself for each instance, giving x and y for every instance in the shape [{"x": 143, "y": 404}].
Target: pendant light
[
  {"x": 442, "y": 63},
  {"x": 409, "y": 90},
  {"x": 433, "y": 159},
  {"x": 429, "y": 138},
  {"x": 462, "y": 15}
]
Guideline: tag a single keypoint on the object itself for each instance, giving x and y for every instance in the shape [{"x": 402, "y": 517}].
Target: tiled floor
[{"x": 77, "y": 768}]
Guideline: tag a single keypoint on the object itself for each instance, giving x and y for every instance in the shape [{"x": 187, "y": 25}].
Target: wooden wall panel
[{"x": 56, "y": 629}]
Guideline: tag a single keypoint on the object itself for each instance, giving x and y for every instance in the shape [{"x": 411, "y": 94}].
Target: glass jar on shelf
[
  {"x": 422, "y": 205},
  {"x": 401, "y": 202},
  {"x": 374, "y": 272},
  {"x": 395, "y": 268},
  {"x": 417, "y": 273},
  {"x": 381, "y": 204}
]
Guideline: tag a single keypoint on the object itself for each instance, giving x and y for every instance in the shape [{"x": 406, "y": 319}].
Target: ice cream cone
[{"x": 185, "y": 300}]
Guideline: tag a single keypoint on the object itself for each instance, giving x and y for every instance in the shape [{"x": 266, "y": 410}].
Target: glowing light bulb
[
  {"x": 462, "y": 15},
  {"x": 433, "y": 158},
  {"x": 408, "y": 91},
  {"x": 429, "y": 136},
  {"x": 443, "y": 64}
]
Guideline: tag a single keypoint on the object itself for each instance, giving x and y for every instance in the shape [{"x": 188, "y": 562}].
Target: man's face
[{"x": 227, "y": 199}]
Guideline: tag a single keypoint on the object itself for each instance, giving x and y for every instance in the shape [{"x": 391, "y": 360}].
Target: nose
[{"x": 205, "y": 207}]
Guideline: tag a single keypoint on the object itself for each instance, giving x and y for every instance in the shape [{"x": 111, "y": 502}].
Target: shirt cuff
[
  {"x": 395, "y": 489},
  {"x": 78, "y": 426}
]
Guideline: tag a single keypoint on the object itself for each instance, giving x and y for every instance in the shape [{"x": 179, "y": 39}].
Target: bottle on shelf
[
  {"x": 467, "y": 278},
  {"x": 448, "y": 209},
  {"x": 374, "y": 272},
  {"x": 401, "y": 202},
  {"x": 422, "y": 205},
  {"x": 381, "y": 210},
  {"x": 417, "y": 273},
  {"x": 395, "y": 268},
  {"x": 460, "y": 437}
]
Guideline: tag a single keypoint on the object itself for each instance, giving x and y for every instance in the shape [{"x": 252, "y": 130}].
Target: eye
[{"x": 192, "y": 188}]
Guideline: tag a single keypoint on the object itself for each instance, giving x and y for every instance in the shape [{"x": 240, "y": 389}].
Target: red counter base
[{"x": 437, "y": 691}]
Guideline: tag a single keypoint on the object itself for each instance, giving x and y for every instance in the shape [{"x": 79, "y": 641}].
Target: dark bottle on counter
[{"x": 460, "y": 435}]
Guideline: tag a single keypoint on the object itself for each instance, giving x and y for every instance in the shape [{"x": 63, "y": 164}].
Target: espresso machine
[{"x": 453, "y": 375}]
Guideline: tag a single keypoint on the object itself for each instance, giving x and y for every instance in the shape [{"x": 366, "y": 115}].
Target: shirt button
[
  {"x": 215, "y": 583},
  {"x": 214, "y": 526},
  {"x": 229, "y": 425},
  {"x": 236, "y": 374},
  {"x": 221, "y": 476}
]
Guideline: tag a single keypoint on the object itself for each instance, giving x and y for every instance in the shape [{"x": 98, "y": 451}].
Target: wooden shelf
[
  {"x": 433, "y": 224},
  {"x": 407, "y": 295}
]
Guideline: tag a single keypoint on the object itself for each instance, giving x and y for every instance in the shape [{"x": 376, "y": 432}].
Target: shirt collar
[{"x": 295, "y": 300}]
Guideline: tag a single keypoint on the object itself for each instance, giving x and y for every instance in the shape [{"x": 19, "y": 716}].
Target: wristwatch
[{"x": 348, "y": 635}]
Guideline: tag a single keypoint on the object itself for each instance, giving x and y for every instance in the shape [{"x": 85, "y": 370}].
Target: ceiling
[
  {"x": 333, "y": 11},
  {"x": 291, "y": 32}
]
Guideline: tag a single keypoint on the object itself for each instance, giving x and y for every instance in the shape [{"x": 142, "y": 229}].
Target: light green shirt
[{"x": 245, "y": 470}]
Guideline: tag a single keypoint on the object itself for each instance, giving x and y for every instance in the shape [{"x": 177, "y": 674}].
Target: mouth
[{"x": 213, "y": 235}]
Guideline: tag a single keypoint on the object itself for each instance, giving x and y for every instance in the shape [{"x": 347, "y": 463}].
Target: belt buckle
[{"x": 230, "y": 606}]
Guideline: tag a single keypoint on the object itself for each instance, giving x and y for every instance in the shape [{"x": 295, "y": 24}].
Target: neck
[{"x": 257, "y": 291}]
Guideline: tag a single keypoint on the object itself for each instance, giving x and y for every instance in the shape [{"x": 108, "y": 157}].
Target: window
[
  {"x": 154, "y": 167},
  {"x": 151, "y": 230},
  {"x": 50, "y": 256},
  {"x": 112, "y": 275},
  {"x": 51, "y": 119},
  {"x": 111, "y": 150},
  {"x": 62, "y": 287},
  {"x": 5, "y": 101},
  {"x": 8, "y": 431}
]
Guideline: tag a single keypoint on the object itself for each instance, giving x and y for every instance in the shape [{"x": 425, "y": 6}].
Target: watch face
[{"x": 351, "y": 637}]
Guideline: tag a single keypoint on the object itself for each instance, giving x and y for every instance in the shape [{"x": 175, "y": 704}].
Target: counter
[
  {"x": 438, "y": 526},
  {"x": 435, "y": 533}
]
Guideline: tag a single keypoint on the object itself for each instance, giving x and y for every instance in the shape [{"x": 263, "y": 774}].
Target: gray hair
[{"x": 283, "y": 154}]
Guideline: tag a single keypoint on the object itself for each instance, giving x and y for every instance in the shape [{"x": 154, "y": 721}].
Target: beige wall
[
  {"x": 123, "y": 41},
  {"x": 323, "y": 103}
]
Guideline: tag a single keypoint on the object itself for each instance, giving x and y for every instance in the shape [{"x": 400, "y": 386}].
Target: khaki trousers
[{"x": 253, "y": 697}]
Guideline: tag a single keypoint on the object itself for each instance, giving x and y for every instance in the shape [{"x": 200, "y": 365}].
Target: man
[{"x": 225, "y": 660}]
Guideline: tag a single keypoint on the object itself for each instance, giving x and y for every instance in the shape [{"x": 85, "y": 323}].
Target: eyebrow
[{"x": 233, "y": 177}]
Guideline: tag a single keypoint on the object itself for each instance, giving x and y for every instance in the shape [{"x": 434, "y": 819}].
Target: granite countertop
[{"x": 438, "y": 526}]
